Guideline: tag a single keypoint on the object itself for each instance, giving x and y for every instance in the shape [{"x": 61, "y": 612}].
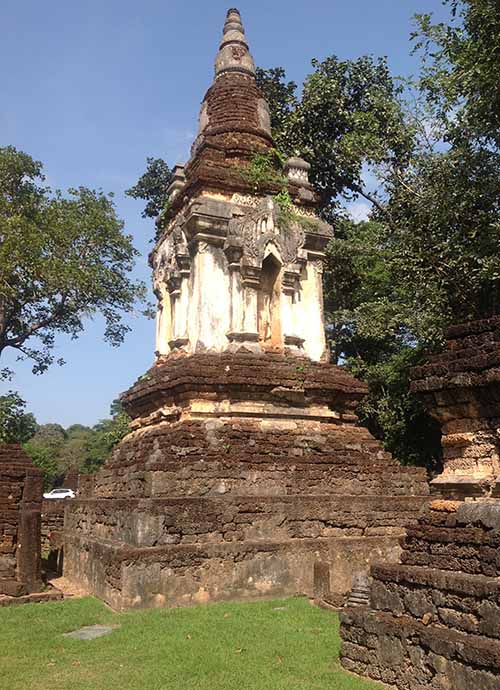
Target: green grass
[{"x": 271, "y": 644}]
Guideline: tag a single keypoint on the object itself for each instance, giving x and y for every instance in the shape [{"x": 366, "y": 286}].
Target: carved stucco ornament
[
  {"x": 173, "y": 261},
  {"x": 260, "y": 226}
]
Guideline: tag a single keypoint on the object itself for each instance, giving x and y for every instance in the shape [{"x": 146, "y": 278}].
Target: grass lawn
[{"x": 271, "y": 644}]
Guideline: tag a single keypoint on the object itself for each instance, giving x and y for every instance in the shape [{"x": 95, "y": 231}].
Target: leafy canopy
[
  {"x": 460, "y": 68},
  {"x": 348, "y": 117},
  {"x": 152, "y": 187},
  {"x": 16, "y": 425},
  {"x": 79, "y": 449},
  {"x": 62, "y": 259}
]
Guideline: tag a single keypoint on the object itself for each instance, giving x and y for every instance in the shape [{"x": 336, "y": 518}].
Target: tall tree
[
  {"x": 348, "y": 118},
  {"x": 62, "y": 259}
]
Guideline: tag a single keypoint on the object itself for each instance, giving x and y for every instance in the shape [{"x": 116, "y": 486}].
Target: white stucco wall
[{"x": 209, "y": 308}]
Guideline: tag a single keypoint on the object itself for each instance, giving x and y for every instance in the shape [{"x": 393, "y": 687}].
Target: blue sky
[{"x": 93, "y": 87}]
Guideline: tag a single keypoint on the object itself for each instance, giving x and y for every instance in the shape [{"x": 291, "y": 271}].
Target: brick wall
[
  {"x": 461, "y": 388},
  {"x": 434, "y": 620},
  {"x": 20, "y": 505}
]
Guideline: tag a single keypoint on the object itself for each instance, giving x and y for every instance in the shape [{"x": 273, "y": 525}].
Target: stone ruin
[
  {"x": 21, "y": 485},
  {"x": 20, "y": 506},
  {"x": 461, "y": 389},
  {"x": 433, "y": 621},
  {"x": 245, "y": 473}
]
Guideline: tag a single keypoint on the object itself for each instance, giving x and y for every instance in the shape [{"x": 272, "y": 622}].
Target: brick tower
[{"x": 245, "y": 473}]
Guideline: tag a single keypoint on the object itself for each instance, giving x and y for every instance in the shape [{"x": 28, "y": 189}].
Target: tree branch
[
  {"x": 373, "y": 200},
  {"x": 20, "y": 339}
]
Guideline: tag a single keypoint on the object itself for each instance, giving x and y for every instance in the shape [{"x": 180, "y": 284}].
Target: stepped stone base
[
  {"x": 152, "y": 552},
  {"x": 127, "y": 577},
  {"x": 245, "y": 476},
  {"x": 434, "y": 621},
  {"x": 407, "y": 654}
]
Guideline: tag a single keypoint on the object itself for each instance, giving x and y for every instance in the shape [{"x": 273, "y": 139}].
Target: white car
[{"x": 60, "y": 493}]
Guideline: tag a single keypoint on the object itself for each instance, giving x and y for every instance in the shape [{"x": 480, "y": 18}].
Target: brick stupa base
[{"x": 244, "y": 476}]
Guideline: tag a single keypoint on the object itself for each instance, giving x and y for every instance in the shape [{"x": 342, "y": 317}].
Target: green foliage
[
  {"x": 152, "y": 187},
  {"x": 460, "y": 68},
  {"x": 16, "y": 425},
  {"x": 348, "y": 116},
  {"x": 78, "y": 448},
  {"x": 285, "y": 206},
  {"x": 392, "y": 413},
  {"x": 370, "y": 330},
  {"x": 44, "y": 458},
  {"x": 282, "y": 100},
  {"x": 445, "y": 238},
  {"x": 264, "y": 171},
  {"x": 62, "y": 259},
  {"x": 276, "y": 645}
]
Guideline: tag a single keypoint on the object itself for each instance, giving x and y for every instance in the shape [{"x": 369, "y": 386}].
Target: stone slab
[{"x": 90, "y": 632}]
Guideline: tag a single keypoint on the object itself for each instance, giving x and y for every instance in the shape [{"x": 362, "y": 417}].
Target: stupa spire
[{"x": 233, "y": 55}]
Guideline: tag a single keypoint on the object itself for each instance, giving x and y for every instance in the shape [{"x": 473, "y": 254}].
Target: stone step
[
  {"x": 216, "y": 476},
  {"x": 471, "y": 550}
]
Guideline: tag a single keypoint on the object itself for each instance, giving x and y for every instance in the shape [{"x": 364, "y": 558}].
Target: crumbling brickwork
[
  {"x": 434, "y": 619},
  {"x": 52, "y": 520},
  {"x": 461, "y": 388},
  {"x": 20, "y": 504},
  {"x": 233, "y": 486}
]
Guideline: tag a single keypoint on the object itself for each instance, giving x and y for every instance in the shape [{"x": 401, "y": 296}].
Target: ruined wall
[
  {"x": 52, "y": 520},
  {"x": 434, "y": 620},
  {"x": 461, "y": 389},
  {"x": 20, "y": 504}
]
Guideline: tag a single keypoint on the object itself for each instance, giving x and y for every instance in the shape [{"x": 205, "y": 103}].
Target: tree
[
  {"x": 152, "y": 187},
  {"x": 62, "y": 259},
  {"x": 106, "y": 435},
  {"x": 79, "y": 449},
  {"x": 370, "y": 330},
  {"x": 45, "y": 459},
  {"x": 282, "y": 100},
  {"x": 16, "y": 425},
  {"x": 460, "y": 69},
  {"x": 348, "y": 117}
]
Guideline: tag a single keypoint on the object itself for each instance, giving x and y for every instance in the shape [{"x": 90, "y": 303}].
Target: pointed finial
[
  {"x": 233, "y": 55},
  {"x": 233, "y": 21}
]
